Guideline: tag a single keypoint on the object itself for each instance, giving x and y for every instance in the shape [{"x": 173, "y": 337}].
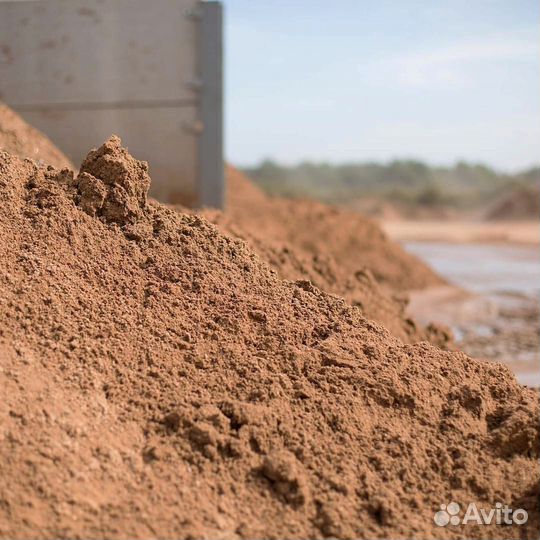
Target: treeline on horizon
[{"x": 405, "y": 181}]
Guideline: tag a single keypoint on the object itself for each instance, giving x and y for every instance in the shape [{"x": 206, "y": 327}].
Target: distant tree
[{"x": 407, "y": 181}]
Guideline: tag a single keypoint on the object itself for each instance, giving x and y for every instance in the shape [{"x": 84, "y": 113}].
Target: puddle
[{"x": 500, "y": 321}]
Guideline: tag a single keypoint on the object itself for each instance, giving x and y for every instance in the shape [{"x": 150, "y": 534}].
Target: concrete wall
[{"x": 149, "y": 71}]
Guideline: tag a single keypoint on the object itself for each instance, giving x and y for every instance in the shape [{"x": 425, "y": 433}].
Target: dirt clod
[{"x": 113, "y": 184}]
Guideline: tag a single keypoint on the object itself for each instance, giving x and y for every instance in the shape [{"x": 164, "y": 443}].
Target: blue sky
[{"x": 343, "y": 80}]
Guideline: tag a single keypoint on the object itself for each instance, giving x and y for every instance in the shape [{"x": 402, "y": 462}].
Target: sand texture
[{"x": 160, "y": 380}]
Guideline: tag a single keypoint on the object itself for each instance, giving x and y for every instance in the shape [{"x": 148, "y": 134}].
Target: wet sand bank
[
  {"x": 491, "y": 303},
  {"x": 514, "y": 232}
]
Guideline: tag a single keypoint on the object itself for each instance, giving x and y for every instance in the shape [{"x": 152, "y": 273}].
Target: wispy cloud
[{"x": 455, "y": 64}]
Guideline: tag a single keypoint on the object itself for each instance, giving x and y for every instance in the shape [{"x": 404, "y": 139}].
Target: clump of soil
[
  {"x": 169, "y": 384},
  {"x": 20, "y": 139},
  {"x": 112, "y": 184},
  {"x": 312, "y": 228}
]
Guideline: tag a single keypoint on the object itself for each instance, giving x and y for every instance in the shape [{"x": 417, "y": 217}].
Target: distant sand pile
[
  {"x": 160, "y": 381},
  {"x": 312, "y": 228},
  {"x": 360, "y": 264},
  {"x": 22, "y": 140},
  {"x": 521, "y": 203},
  {"x": 360, "y": 289}
]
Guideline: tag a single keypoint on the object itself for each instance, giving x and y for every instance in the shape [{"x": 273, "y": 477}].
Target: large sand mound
[
  {"x": 275, "y": 245},
  {"x": 360, "y": 289},
  {"x": 161, "y": 381},
  {"x": 20, "y": 139},
  {"x": 283, "y": 233},
  {"x": 311, "y": 228}
]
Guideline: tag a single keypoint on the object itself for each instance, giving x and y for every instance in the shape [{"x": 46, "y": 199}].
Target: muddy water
[{"x": 500, "y": 320}]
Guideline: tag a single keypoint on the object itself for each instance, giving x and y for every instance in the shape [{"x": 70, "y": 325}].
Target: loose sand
[
  {"x": 160, "y": 380},
  {"x": 358, "y": 256},
  {"x": 287, "y": 235},
  {"x": 360, "y": 288},
  {"x": 23, "y": 140},
  {"x": 312, "y": 228}
]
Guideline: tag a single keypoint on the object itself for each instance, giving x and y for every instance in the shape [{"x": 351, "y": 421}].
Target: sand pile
[
  {"x": 273, "y": 229},
  {"x": 20, "y": 139},
  {"x": 360, "y": 289},
  {"x": 159, "y": 380},
  {"x": 291, "y": 261},
  {"x": 312, "y": 228},
  {"x": 521, "y": 203}
]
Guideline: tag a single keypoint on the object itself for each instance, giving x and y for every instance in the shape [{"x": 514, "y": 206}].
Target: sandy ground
[
  {"x": 493, "y": 328},
  {"x": 492, "y": 302},
  {"x": 162, "y": 382},
  {"x": 522, "y": 232}
]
